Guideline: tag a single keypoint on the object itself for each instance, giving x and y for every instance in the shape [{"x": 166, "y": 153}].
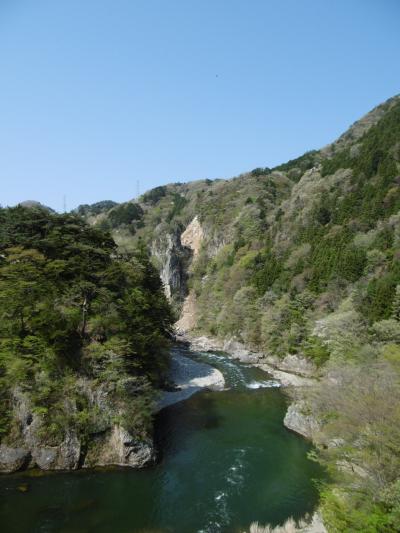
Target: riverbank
[
  {"x": 313, "y": 525},
  {"x": 293, "y": 372},
  {"x": 189, "y": 377},
  {"x": 224, "y": 461}
]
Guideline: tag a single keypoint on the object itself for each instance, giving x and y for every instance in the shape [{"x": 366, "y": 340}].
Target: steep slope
[
  {"x": 83, "y": 345},
  {"x": 302, "y": 261},
  {"x": 283, "y": 246},
  {"x": 227, "y": 211}
]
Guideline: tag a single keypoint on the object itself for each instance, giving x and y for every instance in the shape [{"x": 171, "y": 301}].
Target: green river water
[{"x": 225, "y": 460}]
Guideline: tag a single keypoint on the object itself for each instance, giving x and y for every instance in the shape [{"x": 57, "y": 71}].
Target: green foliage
[
  {"x": 95, "y": 209},
  {"x": 316, "y": 350},
  {"x": 396, "y": 304},
  {"x": 355, "y": 513},
  {"x": 179, "y": 203},
  {"x": 71, "y": 306},
  {"x": 336, "y": 257},
  {"x": 379, "y": 300},
  {"x": 260, "y": 171},
  {"x": 124, "y": 214},
  {"x": 339, "y": 160},
  {"x": 154, "y": 195},
  {"x": 360, "y": 403},
  {"x": 303, "y": 163},
  {"x": 267, "y": 269}
]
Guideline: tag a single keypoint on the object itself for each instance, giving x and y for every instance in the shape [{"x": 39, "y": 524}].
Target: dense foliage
[
  {"x": 73, "y": 310},
  {"x": 304, "y": 259},
  {"x": 87, "y": 210}
]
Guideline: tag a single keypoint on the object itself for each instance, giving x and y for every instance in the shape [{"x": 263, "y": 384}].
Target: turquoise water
[{"x": 225, "y": 460}]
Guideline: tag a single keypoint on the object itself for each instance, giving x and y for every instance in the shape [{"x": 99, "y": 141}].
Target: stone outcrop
[
  {"x": 193, "y": 236},
  {"x": 187, "y": 320},
  {"x": 117, "y": 447},
  {"x": 300, "y": 421},
  {"x": 107, "y": 444},
  {"x": 292, "y": 370},
  {"x": 65, "y": 456},
  {"x": 172, "y": 258},
  {"x": 28, "y": 446},
  {"x": 13, "y": 458},
  {"x": 236, "y": 349},
  {"x": 308, "y": 525}
]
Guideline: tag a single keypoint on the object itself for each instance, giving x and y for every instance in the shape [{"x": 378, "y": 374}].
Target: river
[{"x": 225, "y": 460}]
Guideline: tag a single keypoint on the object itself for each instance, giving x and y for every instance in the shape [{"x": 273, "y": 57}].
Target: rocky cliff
[
  {"x": 106, "y": 443},
  {"x": 172, "y": 258}
]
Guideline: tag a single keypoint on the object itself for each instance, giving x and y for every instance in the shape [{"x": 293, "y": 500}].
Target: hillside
[
  {"x": 84, "y": 345},
  {"x": 302, "y": 259},
  {"x": 312, "y": 225}
]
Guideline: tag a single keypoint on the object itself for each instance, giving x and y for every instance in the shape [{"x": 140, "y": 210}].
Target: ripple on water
[
  {"x": 220, "y": 514},
  {"x": 227, "y": 461},
  {"x": 270, "y": 383}
]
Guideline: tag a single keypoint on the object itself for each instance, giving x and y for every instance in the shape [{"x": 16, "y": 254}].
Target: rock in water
[
  {"x": 13, "y": 459},
  {"x": 117, "y": 447},
  {"x": 298, "y": 420}
]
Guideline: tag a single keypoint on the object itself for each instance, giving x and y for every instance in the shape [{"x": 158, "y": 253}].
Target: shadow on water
[
  {"x": 225, "y": 460},
  {"x": 176, "y": 423}
]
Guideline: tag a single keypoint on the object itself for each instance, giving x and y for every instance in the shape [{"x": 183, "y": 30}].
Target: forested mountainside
[
  {"x": 302, "y": 259},
  {"x": 83, "y": 344}
]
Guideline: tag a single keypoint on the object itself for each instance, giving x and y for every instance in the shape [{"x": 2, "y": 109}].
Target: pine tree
[{"x": 396, "y": 304}]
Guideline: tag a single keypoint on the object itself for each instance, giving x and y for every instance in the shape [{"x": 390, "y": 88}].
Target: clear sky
[{"x": 97, "y": 94}]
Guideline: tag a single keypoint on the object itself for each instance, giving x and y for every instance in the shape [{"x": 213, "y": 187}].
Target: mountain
[
  {"x": 296, "y": 268},
  {"x": 33, "y": 204},
  {"x": 92, "y": 210},
  {"x": 311, "y": 224},
  {"x": 301, "y": 263}
]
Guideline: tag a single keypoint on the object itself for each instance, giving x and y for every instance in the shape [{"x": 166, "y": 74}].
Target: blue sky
[{"x": 97, "y": 94}]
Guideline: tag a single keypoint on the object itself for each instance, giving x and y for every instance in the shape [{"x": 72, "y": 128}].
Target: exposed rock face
[
  {"x": 293, "y": 370},
  {"x": 297, "y": 419},
  {"x": 62, "y": 457},
  {"x": 13, "y": 459},
  {"x": 236, "y": 349},
  {"x": 175, "y": 254},
  {"x": 313, "y": 525},
  {"x": 193, "y": 236},
  {"x": 295, "y": 364},
  {"x": 173, "y": 259},
  {"x": 117, "y": 447},
  {"x": 187, "y": 320},
  {"x": 108, "y": 444}
]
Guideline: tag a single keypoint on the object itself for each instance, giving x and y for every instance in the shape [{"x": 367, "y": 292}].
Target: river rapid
[{"x": 225, "y": 460}]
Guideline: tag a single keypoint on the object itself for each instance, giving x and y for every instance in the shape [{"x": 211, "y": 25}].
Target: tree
[{"x": 396, "y": 304}]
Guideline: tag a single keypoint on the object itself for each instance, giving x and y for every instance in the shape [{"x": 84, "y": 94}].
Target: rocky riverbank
[
  {"x": 189, "y": 377},
  {"x": 108, "y": 444},
  {"x": 293, "y": 372}
]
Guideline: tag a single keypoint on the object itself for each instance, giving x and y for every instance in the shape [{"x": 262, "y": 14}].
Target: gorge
[
  {"x": 227, "y": 451},
  {"x": 287, "y": 276}
]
